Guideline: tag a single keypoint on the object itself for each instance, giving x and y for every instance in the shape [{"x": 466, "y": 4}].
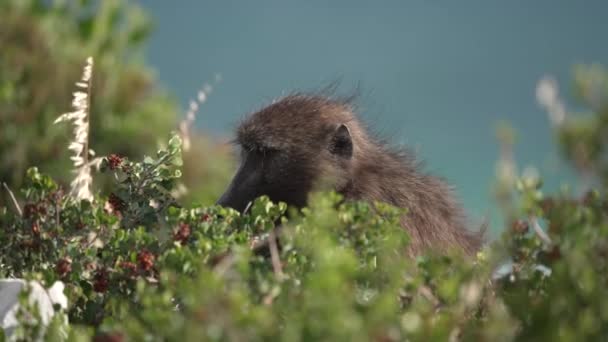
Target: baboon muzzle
[{"x": 244, "y": 187}]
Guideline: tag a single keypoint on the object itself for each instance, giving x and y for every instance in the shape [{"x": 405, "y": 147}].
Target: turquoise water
[{"x": 435, "y": 75}]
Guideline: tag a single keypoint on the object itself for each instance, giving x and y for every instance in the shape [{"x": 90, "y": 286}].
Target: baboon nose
[
  {"x": 222, "y": 201},
  {"x": 227, "y": 202}
]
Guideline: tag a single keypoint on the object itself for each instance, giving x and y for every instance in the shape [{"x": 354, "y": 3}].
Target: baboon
[{"x": 299, "y": 142}]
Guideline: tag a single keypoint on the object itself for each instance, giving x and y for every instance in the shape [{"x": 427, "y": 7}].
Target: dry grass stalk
[
  {"x": 186, "y": 125},
  {"x": 81, "y": 185},
  {"x": 12, "y": 196}
]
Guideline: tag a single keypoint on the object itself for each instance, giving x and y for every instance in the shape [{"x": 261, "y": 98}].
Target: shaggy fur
[{"x": 302, "y": 127}]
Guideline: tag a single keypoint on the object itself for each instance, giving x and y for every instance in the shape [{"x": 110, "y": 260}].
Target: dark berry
[
  {"x": 145, "y": 259},
  {"x": 101, "y": 281},
  {"x": 182, "y": 233},
  {"x": 114, "y": 161},
  {"x": 63, "y": 267}
]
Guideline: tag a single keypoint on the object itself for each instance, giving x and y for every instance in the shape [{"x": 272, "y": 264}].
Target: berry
[
  {"x": 116, "y": 203},
  {"x": 114, "y": 161},
  {"x": 101, "y": 281},
  {"x": 63, "y": 267},
  {"x": 35, "y": 228},
  {"x": 129, "y": 267},
  {"x": 29, "y": 210},
  {"x": 145, "y": 260},
  {"x": 182, "y": 233}
]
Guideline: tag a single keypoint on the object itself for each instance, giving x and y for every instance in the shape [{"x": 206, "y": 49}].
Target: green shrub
[
  {"x": 43, "y": 44},
  {"x": 138, "y": 265}
]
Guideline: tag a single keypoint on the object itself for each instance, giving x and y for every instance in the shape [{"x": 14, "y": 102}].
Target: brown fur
[{"x": 302, "y": 126}]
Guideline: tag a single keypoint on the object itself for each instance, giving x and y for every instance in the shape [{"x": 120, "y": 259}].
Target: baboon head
[{"x": 289, "y": 148}]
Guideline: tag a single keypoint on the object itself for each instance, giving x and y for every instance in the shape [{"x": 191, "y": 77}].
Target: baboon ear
[{"x": 341, "y": 142}]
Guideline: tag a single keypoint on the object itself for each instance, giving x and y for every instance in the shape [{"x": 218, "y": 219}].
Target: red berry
[
  {"x": 41, "y": 210},
  {"x": 101, "y": 281},
  {"x": 183, "y": 233},
  {"x": 129, "y": 267},
  {"x": 145, "y": 260},
  {"x": 29, "y": 210},
  {"x": 63, "y": 267},
  {"x": 35, "y": 228},
  {"x": 116, "y": 202},
  {"x": 114, "y": 161}
]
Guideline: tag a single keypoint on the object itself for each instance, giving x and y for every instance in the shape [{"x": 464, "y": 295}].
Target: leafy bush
[
  {"x": 42, "y": 43},
  {"x": 138, "y": 265}
]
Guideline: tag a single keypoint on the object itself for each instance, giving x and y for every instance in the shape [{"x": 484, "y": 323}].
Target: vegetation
[
  {"x": 44, "y": 43},
  {"x": 139, "y": 264}
]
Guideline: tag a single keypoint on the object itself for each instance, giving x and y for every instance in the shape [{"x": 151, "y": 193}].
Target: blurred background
[{"x": 437, "y": 76}]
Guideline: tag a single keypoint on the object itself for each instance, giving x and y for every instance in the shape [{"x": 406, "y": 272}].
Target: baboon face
[{"x": 283, "y": 158}]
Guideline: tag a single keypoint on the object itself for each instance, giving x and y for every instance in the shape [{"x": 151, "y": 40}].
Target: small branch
[
  {"x": 15, "y": 203},
  {"x": 539, "y": 231},
  {"x": 247, "y": 208},
  {"x": 228, "y": 259},
  {"x": 427, "y": 293},
  {"x": 274, "y": 255},
  {"x": 258, "y": 244}
]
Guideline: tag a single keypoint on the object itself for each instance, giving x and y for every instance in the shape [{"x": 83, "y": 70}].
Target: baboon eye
[{"x": 267, "y": 152}]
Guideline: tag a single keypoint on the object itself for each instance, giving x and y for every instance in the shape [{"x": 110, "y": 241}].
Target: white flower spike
[{"x": 81, "y": 185}]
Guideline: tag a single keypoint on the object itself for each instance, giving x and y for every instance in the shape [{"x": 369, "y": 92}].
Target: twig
[
  {"x": 258, "y": 244},
  {"x": 274, "y": 255},
  {"x": 228, "y": 259},
  {"x": 247, "y": 208},
  {"x": 427, "y": 293},
  {"x": 15, "y": 203},
  {"x": 539, "y": 231}
]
